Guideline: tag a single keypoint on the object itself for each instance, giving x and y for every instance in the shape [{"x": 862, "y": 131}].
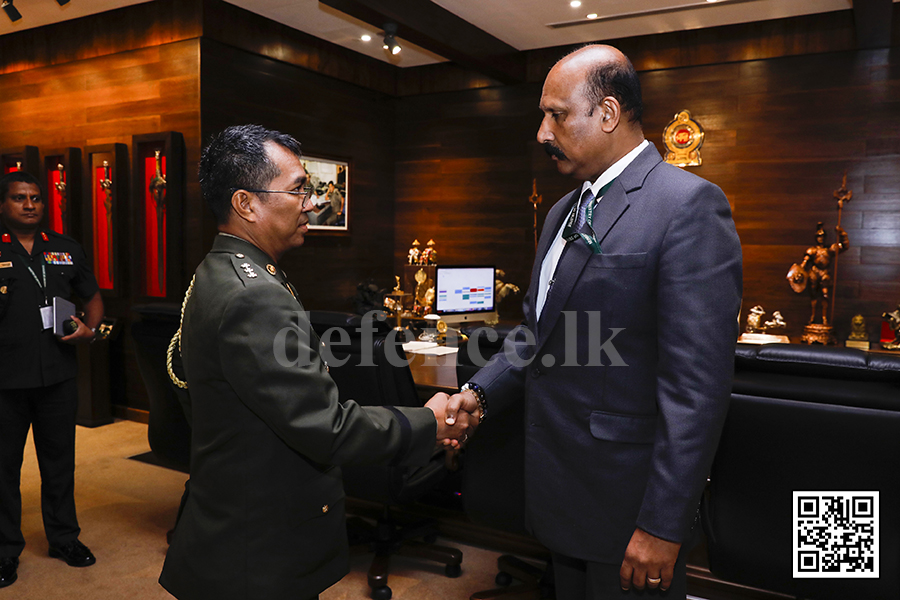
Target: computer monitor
[{"x": 464, "y": 294}]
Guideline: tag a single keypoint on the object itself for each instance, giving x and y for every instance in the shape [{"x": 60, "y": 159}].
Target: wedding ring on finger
[{"x": 654, "y": 580}]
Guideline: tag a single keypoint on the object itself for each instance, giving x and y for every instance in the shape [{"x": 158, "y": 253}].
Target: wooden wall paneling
[
  {"x": 330, "y": 118},
  {"x": 25, "y": 158},
  {"x": 65, "y": 200},
  {"x": 163, "y": 282}
]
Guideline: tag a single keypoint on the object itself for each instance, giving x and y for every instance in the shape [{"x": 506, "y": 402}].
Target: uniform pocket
[{"x": 617, "y": 427}]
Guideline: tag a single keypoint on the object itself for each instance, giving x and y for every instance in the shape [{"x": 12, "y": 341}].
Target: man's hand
[
  {"x": 450, "y": 433},
  {"x": 82, "y": 335},
  {"x": 649, "y": 561},
  {"x": 464, "y": 401}
]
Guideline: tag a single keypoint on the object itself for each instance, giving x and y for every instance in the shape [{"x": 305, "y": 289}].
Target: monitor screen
[{"x": 463, "y": 290}]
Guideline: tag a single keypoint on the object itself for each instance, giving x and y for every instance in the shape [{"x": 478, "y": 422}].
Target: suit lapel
[{"x": 610, "y": 210}]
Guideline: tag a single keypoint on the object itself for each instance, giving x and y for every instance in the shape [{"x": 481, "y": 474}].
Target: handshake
[{"x": 457, "y": 417}]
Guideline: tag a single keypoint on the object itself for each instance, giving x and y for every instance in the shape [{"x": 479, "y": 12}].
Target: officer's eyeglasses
[{"x": 304, "y": 193}]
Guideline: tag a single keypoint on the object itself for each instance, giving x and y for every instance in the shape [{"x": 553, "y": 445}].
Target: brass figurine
[
  {"x": 413, "y": 256},
  {"x": 106, "y": 184},
  {"x": 754, "y": 320},
  {"x": 158, "y": 193},
  {"x": 777, "y": 322},
  {"x": 858, "y": 329},
  {"x": 893, "y": 319}
]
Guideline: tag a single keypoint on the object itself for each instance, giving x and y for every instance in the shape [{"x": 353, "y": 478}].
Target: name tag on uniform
[
  {"x": 6, "y": 265},
  {"x": 58, "y": 258},
  {"x": 47, "y": 316}
]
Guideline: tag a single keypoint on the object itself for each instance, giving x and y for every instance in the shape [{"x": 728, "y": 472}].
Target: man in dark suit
[
  {"x": 265, "y": 514},
  {"x": 626, "y": 363}
]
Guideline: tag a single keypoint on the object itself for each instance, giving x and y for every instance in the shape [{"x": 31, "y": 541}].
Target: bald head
[{"x": 606, "y": 71}]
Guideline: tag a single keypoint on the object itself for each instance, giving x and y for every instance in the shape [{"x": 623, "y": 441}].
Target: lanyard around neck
[
  {"x": 570, "y": 234},
  {"x": 42, "y": 287}
]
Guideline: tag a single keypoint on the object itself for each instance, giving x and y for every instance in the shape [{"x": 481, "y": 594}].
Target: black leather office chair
[
  {"x": 493, "y": 473},
  {"x": 168, "y": 431},
  {"x": 383, "y": 384},
  {"x": 803, "y": 418}
]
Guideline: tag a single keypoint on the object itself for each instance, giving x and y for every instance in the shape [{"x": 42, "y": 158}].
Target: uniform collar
[
  {"x": 14, "y": 245},
  {"x": 231, "y": 244}
]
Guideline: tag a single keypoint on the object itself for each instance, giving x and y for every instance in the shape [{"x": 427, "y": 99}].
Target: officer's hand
[{"x": 82, "y": 335}]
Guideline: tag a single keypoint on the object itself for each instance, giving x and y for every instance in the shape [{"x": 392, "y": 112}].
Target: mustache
[{"x": 552, "y": 150}]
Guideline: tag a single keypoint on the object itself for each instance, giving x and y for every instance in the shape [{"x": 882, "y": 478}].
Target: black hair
[
  {"x": 18, "y": 177},
  {"x": 619, "y": 80},
  {"x": 236, "y": 158}
]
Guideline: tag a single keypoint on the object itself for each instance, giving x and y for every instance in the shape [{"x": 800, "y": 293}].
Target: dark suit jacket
[
  {"x": 265, "y": 513},
  {"x": 622, "y": 435}
]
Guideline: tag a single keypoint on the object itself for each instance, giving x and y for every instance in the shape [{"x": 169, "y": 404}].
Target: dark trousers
[
  {"x": 580, "y": 580},
  {"x": 50, "y": 411}
]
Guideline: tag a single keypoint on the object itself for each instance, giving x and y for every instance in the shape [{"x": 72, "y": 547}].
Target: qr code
[{"x": 836, "y": 535}]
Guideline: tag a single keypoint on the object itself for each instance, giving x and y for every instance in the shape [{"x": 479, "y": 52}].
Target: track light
[
  {"x": 390, "y": 44},
  {"x": 10, "y": 10}
]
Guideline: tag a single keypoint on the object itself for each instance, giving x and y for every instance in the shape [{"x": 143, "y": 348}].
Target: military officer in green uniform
[
  {"x": 264, "y": 518},
  {"x": 37, "y": 370}
]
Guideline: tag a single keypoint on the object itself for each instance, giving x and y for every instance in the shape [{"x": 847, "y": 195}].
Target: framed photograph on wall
[{"x": 330, "y": 198}]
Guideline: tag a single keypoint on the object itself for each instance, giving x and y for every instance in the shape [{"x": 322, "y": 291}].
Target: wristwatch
[{"x": 479, "y": 397}]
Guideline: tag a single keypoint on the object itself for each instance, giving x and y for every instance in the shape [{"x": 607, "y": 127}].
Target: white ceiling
[{"x": 522, "y": 24}]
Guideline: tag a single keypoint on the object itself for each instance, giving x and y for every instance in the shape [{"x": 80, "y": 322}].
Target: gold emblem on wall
[{"x": 683, "y": 137}]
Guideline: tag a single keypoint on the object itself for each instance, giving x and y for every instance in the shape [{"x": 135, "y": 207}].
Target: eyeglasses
[{"x": 304, "y": 193}]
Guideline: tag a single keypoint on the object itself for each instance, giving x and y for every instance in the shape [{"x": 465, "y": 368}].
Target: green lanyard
[
  {"x": 43, "y": 288},
  {"x": 569, "y": 234}
]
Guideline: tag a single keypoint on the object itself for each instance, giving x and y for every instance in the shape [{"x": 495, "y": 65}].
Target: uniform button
[
  {"x": 239, "y": 255},
  {"x": 325, "y": 509},
  {"x": 536, "y": 371},
  {"x": 327, "y": 368}
]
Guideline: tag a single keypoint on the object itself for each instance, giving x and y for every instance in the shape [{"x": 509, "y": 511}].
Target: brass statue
[
  {"x": 61, "y": 188},
  {"x": 893, "y": 319},
  {"x": 502, "y": 290},
  {"x": 812, "y": 273},
  {"x": 777, "y": 322},
  {"x": 106, "y": 184},
  {"x": 158, "y": 192}
]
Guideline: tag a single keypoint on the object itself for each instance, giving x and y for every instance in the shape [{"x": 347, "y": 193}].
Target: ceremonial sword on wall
[
  {"x": 106, "y": 184},
  {"x": 158, "y": 192}
]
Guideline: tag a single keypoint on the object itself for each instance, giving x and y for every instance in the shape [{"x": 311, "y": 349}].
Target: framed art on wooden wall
[
  {"x": 105, "y": 214},
  {"x": 25, "y": 158},
  {"x": 330, "y": 198},
  {"x": 62, "y": 187},
  {"x": 159, "y": 183}
]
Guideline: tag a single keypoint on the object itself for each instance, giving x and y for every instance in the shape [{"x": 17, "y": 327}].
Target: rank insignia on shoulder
[
  {"x": 6, "y": 238},
  {"x": 249, "y": 270},
  {"x": 44, "y": 237},
  {"x": 58, "y": 258}
]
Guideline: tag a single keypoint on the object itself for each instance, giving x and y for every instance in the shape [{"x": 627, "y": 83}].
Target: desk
[{"x": 433, "y": 374}]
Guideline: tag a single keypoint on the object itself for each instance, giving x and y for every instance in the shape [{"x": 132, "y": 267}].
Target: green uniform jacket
[{"x": 264, "y": 519}]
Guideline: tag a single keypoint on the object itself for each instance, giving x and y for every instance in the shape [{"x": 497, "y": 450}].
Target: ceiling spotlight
[
  {"x": 10, "y": 10},
  {"x": 366, "y": 37},
  {"x": 62, "y": 2},
  {"x": 592, "y": 16},
  {"x": 575, "y": 3},
  {"x": 390, "y": 44}
]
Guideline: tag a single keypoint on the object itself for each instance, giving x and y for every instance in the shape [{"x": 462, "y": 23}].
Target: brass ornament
[{"x": 683, "y": 137}]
